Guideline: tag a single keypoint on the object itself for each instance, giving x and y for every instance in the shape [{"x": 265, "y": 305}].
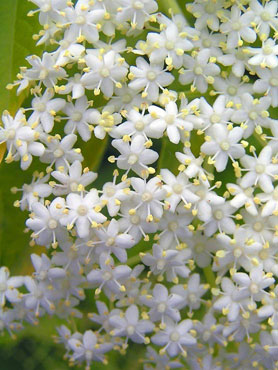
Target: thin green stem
[{"x": 210, "y": 278}]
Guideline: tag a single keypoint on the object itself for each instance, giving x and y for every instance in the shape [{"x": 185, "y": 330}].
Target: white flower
[
  {"x": 83, "y": 21},
  {"x": 255, "y": 283},
  {"x": 105, "y": 72},
  {"x": 252, "y": 113},
  {"x": 232, "y": 300},
  {"x": 268, "y": 84},
  {"x": 260, "y": 170},
  {"x": 72, "y": 181},
  {"x": 8, "y": 287},
  {"x": 79, "y": 118},
  {"x": 113, "y": 194},
  {"x": 138, "y": 124},
  {"x": 109, "y": 276},
  {"x": 223, "y": 144},
  {"x": 169, "y": 119},
  {"x": 148, "y": 196},
  {"x": 61, "y": 152},
  {"x": 265, "y": 17},
  {"x": 178, "y": 189},
  {"x": 169, "y": 46},
  {"x": 44, "y": 70},
  {"x": 87, "y": 348},
  {"x": 198, "y": 71},
  {"x": 110, "y": 240},
  {"x": 35, "y": 191},
  {"x": 175, "y": 337},
  {"x": 134, "y": 156},
  {"x": 105, "y": 121},
  {"x": 242, "y": 197},
  {"x": 271, "y": 202},
  {"x": 44, "y": 110},
  {"x": 137, "y": 12},
  {"x": 266, "y": 56},
  {"x": 237, "y": 26},
  {"x": 130, "y": 326},
  {"x": 206, "y": 13},
  {"x": 162, "y": 304},
  {"x": 149, "y": 78},
  {"x": 44, "y": 221},
  {"x": 20, "y": 138},
  {"x": 84, "y": 212}
]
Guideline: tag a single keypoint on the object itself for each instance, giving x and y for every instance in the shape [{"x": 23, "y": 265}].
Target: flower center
[
  {"x": 236, "y": 26},
  {"x": 151, "y": 75},
  {"x": 267, "y": 50},
  {"x": 263, "y": 254},
  {"x": 169, "y": 45},
  {"x": 232, "y": 90},
  {"x": 138, "y": 5},
  {"x": 76, "y": 117},
  {"x": 258, "y": 226},
  {"x": 199, "y": 248},
  {"x": 132, "y": 159},
  {"x": 160, "y": 264},
  {"x": 170, "y": 119},
  {"x": 260, "y": 168},
  {"x": 130, "y": 330},
  {"x": 140, "y": 125},
  {"x": 80, "y": 19},
  {"x": 253, "y": 115},
  {"x": 107, "y": 275},
  {"x": 58, "y": 153},
  {"x": 225, "y": 145},
  {"x": 110, "y": 242},
  {"x": 207, "y": 43},
  {"x": 82, "y": 210},
  {"x": 104, "y": 72},
  {"x": 110, "y": 191},
  {"x": 175, "y": 336},
  {"x": 237, "y": 252},
  {"x": 40, "y": 107},
  {"x": 215, "y": 118},
  {"x": 178, "y": 188},
  {"x": 161, "y": 307},
  {"x": 173, "y": 226},
  {"x": 10, "y": 134},
  {"x": 265, "y": 16},
  {"x": 192, "y": 298},
  {"x": 126, "y": 98},
  {"x": 135, "y": 220},
  {"x": 73, "y": 186},
  {"x": 254, "y": 289},
  {"x": 218, "y": 214},
  {"x": 249, "y": 192},
  {"x": 198, "y": 70},
  {"x": 52, "y": 224},
  {"x": 147, "y": 196}
]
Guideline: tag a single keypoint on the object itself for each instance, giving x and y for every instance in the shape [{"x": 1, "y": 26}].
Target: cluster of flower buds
[{"x": 179, "y": 253}]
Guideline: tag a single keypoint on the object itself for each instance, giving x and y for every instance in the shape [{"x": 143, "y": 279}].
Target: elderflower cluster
[{"x": 177, "y": 254}]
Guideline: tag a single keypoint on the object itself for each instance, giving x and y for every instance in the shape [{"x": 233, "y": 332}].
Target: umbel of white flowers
[{"x": 180, "y": 260}]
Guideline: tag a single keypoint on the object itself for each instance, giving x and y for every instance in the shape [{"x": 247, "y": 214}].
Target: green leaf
[
  {"x": 167, "y": 157},
  {"x": 93, "y": 152},
  {"x": 16, "y": 43}
]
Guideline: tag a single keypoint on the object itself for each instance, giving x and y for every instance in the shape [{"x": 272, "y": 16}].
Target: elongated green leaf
[{"x": 16, "y": 43}]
